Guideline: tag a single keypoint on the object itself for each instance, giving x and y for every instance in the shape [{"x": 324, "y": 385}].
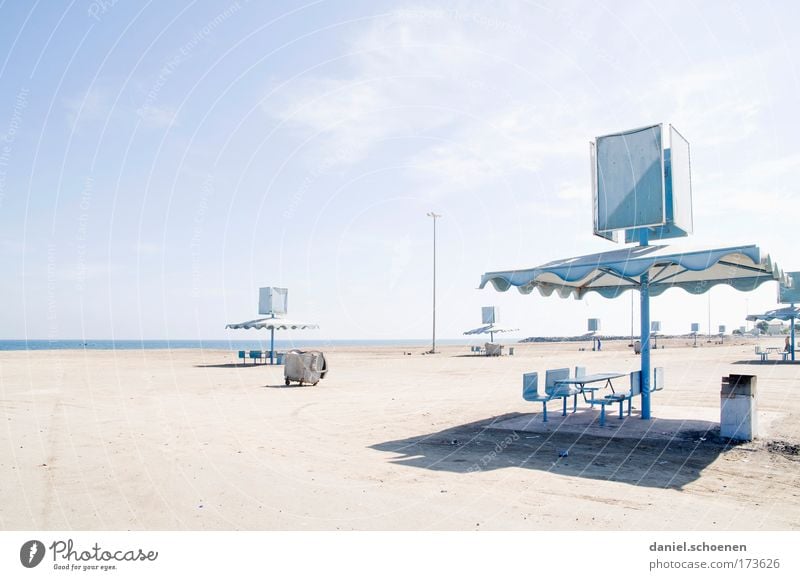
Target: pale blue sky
[{"x": 161, "y": 161}]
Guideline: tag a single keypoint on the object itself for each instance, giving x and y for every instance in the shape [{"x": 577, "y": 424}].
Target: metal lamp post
[{"x": 434, "y": 216}]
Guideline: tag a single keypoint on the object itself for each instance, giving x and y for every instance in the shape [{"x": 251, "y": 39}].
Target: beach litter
[{"x": 783, "y": 448}]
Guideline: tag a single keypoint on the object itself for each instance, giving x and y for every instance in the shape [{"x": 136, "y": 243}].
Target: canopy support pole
[
  {"x": 791, "y": 322},
  {"x": 271, "y": 345},
  {"x": 644, "y": 290},
  {"x": 644, "y": 296}
]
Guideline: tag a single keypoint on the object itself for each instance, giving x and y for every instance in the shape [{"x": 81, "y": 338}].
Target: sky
[{"x": 161, "y": 161}]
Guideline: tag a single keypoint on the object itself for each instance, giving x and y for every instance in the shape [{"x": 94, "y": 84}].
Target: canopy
[
  {"x": 650, "y": 269},
  {"x": 787, "y": 313},
  {"x": 490, "y": 329},
  {"x": 611, "y": 273},
  {"x": 272, "y": 324}
]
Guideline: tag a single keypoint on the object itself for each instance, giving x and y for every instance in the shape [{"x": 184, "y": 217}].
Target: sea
[{"x": 215, "y": 344}]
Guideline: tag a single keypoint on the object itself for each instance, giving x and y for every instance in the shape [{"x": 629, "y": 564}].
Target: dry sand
[{"x": 189, "y": 440}]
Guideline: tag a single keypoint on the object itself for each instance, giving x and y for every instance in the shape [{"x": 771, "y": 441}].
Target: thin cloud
[
  {"x": 158, "y": 117},
  {"x": 91, "y": 106}
]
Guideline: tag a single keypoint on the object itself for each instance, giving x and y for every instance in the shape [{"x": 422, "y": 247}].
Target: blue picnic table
[{"x": 587, "y": 383}]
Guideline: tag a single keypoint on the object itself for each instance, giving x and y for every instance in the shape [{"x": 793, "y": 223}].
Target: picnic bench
[
  {"x": 530, "y": 390},
  {"x": 490, "y": 349},
  {"x": 258, "y": 356},
  {"x": 559, "y": 385},
  {"x": 635, "y": 390},
  {"x": 254, "y": 355},
  {"x": 764, "y": 353}
]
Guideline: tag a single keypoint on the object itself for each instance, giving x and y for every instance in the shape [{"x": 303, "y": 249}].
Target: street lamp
[{"x": 434, "y": 216}]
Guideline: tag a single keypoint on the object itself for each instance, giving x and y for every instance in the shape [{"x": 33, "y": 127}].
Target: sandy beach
[{"x": 191, "y": 440}]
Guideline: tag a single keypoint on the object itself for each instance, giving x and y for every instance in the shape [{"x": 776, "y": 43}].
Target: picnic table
[
  {"x": 764, "y": 353},
  {"x": 591, "y": 383}
]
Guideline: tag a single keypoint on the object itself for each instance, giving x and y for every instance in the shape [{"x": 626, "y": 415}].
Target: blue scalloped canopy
[
  {"x": 612, "y": 273},
  {"x": 491, "y": 329},
  {"x": 271, "y": 323},
  {"x": 788, "y": 313}
]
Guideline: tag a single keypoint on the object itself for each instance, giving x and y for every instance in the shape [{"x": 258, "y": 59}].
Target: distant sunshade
[
  {"x": 612, "y": 273},
  {"x": 272, "y": 324},
  {"x": 787, "y": 313},
  {"x": 490, "y": 329}
]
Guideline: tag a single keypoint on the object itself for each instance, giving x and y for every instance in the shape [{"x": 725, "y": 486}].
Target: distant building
[{"x": 775, "y": 328}]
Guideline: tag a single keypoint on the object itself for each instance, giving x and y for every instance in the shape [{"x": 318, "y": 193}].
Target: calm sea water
[{"x": 212, "y": 344}]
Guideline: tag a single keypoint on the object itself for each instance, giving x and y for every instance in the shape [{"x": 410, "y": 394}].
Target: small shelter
[
  {"x": 788, "y": 313},
  {"x": 273, "y": 302},
  {"x": 788, "y": 293},
  {"x": 695, "y": 331},
  {"x": 655, "y": 330},
  {"x": 489, "y": 317},
  {"x": 641, "y": 186}
]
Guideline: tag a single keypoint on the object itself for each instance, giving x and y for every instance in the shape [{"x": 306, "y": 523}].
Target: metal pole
[
  {"x": 791, "y": 321},
  {"x": 645, "y": 308},
  {"x": 271, "y": 345},
  {"x": 632, "y": 302},
  {"x": 644, "y": 298},
  {"x": 434, "y": 216}
]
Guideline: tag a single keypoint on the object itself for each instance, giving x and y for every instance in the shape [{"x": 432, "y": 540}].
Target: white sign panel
[
  {"x": 629, "y": 178},
  {"x": 272, "y": 300}
]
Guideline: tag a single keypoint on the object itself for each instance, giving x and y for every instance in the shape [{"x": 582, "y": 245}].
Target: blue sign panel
[
  {"x": 272, "y": 300},
  {"x": 677, "y": 193},
  {"x": 790, "y": 294},
  {"x": 680, "y": 183},
  {"x": 629, "y": 177}
]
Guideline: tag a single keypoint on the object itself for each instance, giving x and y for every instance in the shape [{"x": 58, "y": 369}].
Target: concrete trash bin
[{"x": 737, "y": 408}]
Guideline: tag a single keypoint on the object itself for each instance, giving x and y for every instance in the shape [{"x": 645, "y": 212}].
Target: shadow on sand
[
  {"x": 671, "y": 458},
  {"x": 232, "y": 366},
  {"x": 766, "y": 363}
]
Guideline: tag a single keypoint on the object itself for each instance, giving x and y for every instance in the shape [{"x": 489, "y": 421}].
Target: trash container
[
  {"x": 637, "y": 347},
  {"x": 304, "y": 367},
  {"x": 737, "y": 408},
  {"x": 493, "y": 349}
]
